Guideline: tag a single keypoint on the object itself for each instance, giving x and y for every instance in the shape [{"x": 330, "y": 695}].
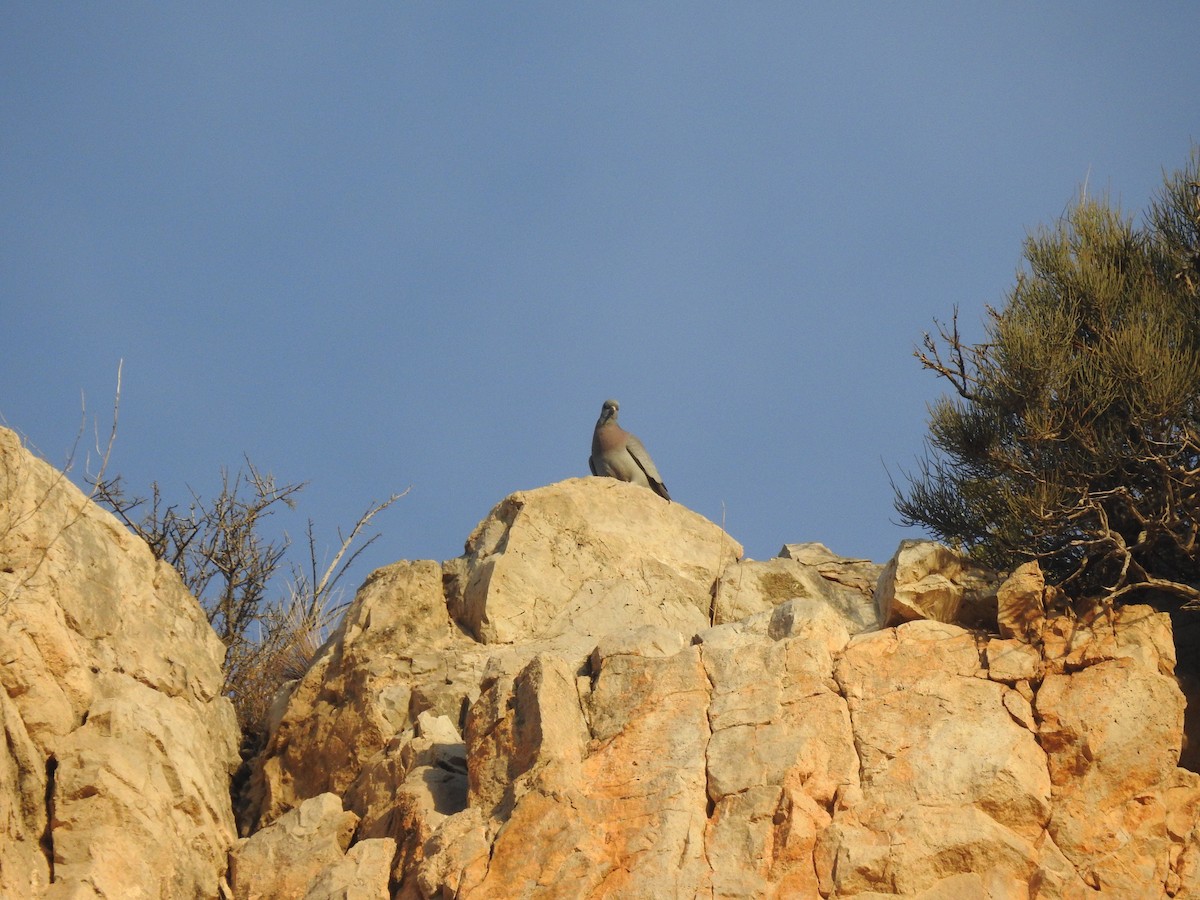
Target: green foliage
[{"x": 1073, "y": 433}]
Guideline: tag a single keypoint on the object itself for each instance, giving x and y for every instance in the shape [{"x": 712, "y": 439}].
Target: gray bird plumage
[{"x": 619, "y": 454}]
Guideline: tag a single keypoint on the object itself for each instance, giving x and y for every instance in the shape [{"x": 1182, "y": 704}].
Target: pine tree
[{"x": 1073, "y": 432}]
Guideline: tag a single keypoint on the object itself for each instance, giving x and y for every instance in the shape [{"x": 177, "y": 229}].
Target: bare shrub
[{"x": 220, "y": 549}]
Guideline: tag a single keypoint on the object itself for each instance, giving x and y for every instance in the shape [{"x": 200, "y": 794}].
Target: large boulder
[
  {"x": 114, "y": 780},
  {"x": 927, "y": 580},
  {"x": 583, "y": 557}
]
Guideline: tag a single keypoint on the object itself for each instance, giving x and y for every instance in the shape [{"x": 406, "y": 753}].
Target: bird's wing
[{"x": 641, "y": 456}]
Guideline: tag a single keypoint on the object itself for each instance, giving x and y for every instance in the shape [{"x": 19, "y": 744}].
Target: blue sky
[{"x": 381, "y": 245}]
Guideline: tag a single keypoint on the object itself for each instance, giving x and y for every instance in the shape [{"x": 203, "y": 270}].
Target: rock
[
  {"x": 642, "y": 640},
  {"x": 572, "y": 558},
  {"x": 1013, "y": 661},
  {"x": 860, "y": 574},
  {"x": 520, "y": 726},
  {"x": 554, "y": 568},
  {"x": 1112, "y": 734},
  {"x": 749, "y": 587},
  {"x": 970, "y": 795},
  {"x": 24, "y": 869},
  {"x": 115, "y": 780},
  {"x": 782, "y": 750},
  {"x": 1071, "y": 643},
  {"x": 362, "y": 874},
  {"x": 810, "y": 619},
  {"x": 395, "y": 655},
  {"x": 1021, "y": 609},
  {"x": 926, "y": 580},
  {"x": 304, "y": 854},
  {"x": 650, "y": 750},
  {"x": 613, "y": 798},
  {"x": 456, "y": 854},
  {"x": 568, "y": 711},
  {"x": 407, "y": 791}
]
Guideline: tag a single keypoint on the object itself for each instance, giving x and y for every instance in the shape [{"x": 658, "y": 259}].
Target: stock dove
[{"x": 619, "y": 454}]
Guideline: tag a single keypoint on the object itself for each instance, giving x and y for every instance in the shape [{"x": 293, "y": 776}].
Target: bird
[{"x": 620, "y": 455}]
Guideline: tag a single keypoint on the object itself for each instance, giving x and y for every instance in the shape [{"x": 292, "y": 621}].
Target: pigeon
[{"x": 619, "y": 454}]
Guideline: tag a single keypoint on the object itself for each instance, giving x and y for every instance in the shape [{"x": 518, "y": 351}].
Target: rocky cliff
[
  {"x": 114, "y": 775},
  {"x": 602, "y": 698}
]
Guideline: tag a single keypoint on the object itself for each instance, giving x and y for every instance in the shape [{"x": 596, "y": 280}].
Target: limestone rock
[
  {"x": 1014, "y": 662},
  {"x": 24, "y": 869},
  {"x": 409, "y": 789},
  {"x": 926, "y": 580},
  {"x": 860, "y": 574},
  {"x": 304, "y": 854},
  {"x": 658, "y": 747},
  {"x": 1112, "y": 734},
  {"x": 951, "y": 783},
  {"x": 576, "y": 557},
  {"x": 613, "y": 797},
  {"x": 396, "y": 654},
  {"x": 1021, "y": 610},
  {"x": 1071, "y": 643},
  {"x": 750, "y": 586},
  {"x": 552, "y": 568},
  {"x": 362, "y": 874},
  {"x": 596, "y": 700},
  {"x": 781, "y": 752},
  {"x": 119, "y": 750}
]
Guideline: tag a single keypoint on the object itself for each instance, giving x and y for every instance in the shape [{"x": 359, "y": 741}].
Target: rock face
[
  {"x": 601, "y": 699},
  {"x": 114, "y": 777}
]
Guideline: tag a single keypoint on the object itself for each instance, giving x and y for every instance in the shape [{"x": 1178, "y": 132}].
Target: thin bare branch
[{"x": 332, "y": 573}]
